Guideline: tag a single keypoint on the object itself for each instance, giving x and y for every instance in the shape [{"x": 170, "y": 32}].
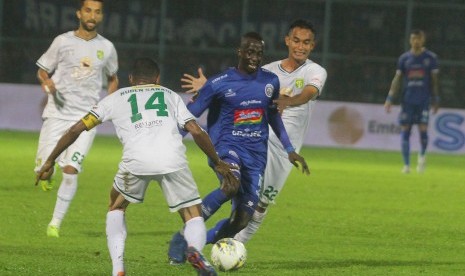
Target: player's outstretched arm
[
  {"x": 193, "y": 84},
  {"x": 202, "y": 139},
  {"x": 297, "y": 160},
  {"x": 309, "y": 93},
  {"x": 65, "y": 141}
]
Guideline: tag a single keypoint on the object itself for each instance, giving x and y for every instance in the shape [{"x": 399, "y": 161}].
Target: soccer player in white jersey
[
  {"x": 301, "y": 81},
  {"x": 72, "y": 73},
  {"x": 146, "y": 117}
]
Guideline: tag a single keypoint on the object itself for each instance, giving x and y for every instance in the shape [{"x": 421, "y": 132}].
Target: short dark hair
[
  {"x": 81, "y": 2},
  {"x": 417, "y": 32},
  {"x": 252, "y": 35},
  {"x": 301, "y": 23},
  {"x": 144, "y": 68}
]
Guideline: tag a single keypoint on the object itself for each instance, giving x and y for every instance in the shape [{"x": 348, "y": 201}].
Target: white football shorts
[
  {"x": 51, "y": 131},
  {"x": 179, "y": 187}
]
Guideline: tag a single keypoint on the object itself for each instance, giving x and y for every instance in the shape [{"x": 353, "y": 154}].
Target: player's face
[
  {"x": 250, "y": 56},
  {"x": 417, "y": 41},
  {"x": 300, "y": 43},
  {"x": 90, "y": 15}
]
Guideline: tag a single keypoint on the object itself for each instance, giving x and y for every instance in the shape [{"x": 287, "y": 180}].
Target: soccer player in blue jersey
[
  {"x": 418, "y": 68},
  {"x": 240, "y": 103}
]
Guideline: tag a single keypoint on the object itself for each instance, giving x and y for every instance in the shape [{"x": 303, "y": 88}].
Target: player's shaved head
[{"x": 251, "y": 36}]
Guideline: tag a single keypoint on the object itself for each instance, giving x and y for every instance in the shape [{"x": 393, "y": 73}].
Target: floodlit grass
[{"x": 355, "y": 215}]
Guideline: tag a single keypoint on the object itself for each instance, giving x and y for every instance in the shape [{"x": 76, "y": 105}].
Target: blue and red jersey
[
  {"x": 240, "y": 109},
  {"x": 416, "y": 71}
]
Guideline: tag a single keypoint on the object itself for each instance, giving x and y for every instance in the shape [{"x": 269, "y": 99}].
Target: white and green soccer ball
[{"x": 228, "y": 254}]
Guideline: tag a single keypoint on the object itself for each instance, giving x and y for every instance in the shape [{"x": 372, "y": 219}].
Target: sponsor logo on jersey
[
  {"x": 148, "y": 124},
  {"x": 219, "y": 78},
  {"x": 248, "y": 116},
  {"x": 249, "y": 102},
  {"x": 230, "y": 93},
  {"x": 269, "y": 88},
  {"x": 416, "y": 74},
  {"x": 299, "y": 83},
  {"x": 100, "y": 54}
]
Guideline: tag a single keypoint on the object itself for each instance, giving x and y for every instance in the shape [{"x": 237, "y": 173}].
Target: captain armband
[{"x": 90, "y": 121}]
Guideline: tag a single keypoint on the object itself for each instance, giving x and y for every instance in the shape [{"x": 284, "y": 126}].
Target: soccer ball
[{"x": 228, "y": 254}]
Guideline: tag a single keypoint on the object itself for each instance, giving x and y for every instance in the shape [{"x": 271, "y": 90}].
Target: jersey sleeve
[
  {"x": 316, "y": 77},
  {"x": 102, "y": 111},
  {"x": 112, "y": 65},
  {"x": 400, "y": 65},
  {"x": 199, "y": 103},
  {"x": 182, "y": 113},
  {"x": 49, "y": 60}
]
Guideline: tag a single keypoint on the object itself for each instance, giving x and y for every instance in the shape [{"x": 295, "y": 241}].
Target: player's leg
[
  {"x": 182, "y": 195},
  {"x": 405, "y": 120},
  {"x": 126, "y": 188},
  {"x": 423, "y": 131},
  {"x": 71, "y": 162},
  {"x": 213, "y": 201},
  {"x": 277, "y": 170},
  {"x": 51, "y": 131},
  {"x": 244, "y": 204}
]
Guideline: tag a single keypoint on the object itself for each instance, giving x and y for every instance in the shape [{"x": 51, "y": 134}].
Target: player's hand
[
  {"x": 45, "y": 172},
  {"x": 48, "y": 86},
  {"x": 296, "y": 159},
  {"x": 282, "y": 103},
  {"x": 230, "y": 183},
  {"x": 387, "y": 106},
  {"x": 192, "y": 83}
]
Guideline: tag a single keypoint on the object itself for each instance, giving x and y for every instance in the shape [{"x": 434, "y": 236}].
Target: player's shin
[
  {"x": 212, "y": 202},
  {"x": 116, "y": 238},
  {"x": 252, "y": 227},
  {"x": 195, "y": 233},
  {"x": 65, "y": 195}
]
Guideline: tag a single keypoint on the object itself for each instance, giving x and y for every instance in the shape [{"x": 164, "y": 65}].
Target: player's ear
[
  {"x": 158, "y": 80},
  {"x": 78, "y": 14},
  {"x": 131, "y": 79}
]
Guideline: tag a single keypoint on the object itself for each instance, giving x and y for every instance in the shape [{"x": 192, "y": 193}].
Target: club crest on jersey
[
  {"x": 299, "y": 83},
  {"x": 100, "y": 54},
  {"x": 248, "y": 116},
  {"x": 269, "y": 88}
]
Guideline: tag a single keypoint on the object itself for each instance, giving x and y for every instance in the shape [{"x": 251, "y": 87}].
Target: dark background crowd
[{"x": 358, "y": 41}]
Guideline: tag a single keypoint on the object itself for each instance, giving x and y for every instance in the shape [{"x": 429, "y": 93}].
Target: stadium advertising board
[{"x": 333, "y": 124}]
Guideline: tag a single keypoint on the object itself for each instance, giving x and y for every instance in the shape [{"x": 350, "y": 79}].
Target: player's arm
[
  {"x": 277, "y": 125},
  {"x": 45, "y": 81},
  {"x": 193, "y": 84},
  {"x": 86, "y": 123},
  {"x": 113, "y": 83},
  {"x": 435, "y": 90},
  {"x": 202, "y": 139},
  {"x": 393, "y": 90},
  {"x": 310, "y": 92}
]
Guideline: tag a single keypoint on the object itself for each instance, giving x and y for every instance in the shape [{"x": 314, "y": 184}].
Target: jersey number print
[{"x": 156, "y": 101}]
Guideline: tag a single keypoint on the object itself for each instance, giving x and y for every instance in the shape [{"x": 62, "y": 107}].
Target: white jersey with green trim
[
  {"x": 78, "y": 68},
  {"x": 297, "y": 118},
  {"x": 147, "y": 119}
]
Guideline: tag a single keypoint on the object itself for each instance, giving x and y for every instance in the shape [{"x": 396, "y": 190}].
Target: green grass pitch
[{"x": 355, "y": 215}]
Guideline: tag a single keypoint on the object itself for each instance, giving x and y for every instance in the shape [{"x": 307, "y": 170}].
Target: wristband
[
  {"x": 389, "y": 98},
  {"x": 436, "y": 99},
  {"x": 290, "y": 149}
]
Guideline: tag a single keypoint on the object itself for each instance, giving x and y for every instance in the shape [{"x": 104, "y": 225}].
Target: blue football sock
[
  {"x": 211, "y": 234},
  {"x": 405, "y": 138},
  {"x": 423, "y": 141},
  {"x": 212, "y": 202}
]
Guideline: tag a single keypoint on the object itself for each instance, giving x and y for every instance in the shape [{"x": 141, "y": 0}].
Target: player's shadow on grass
[{"x": 306, "y": 265}]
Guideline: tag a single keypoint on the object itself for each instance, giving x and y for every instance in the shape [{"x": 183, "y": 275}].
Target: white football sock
[
  {"x": 65, "y": 195},
  {"x": 195, "y": 233},
  {"x": 116, "y": 238},
  {"x": 246, "y": 234}
]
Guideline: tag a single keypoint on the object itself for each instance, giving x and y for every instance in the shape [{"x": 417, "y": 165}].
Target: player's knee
[
  {"x": 70, "y": 170},
  {"x": 230, "y": 190}
]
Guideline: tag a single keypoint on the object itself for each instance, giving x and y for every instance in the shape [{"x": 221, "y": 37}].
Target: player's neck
[
  {"x": 417, "y": 51},
  {"x": 86, "y": 35},
  {"x": 290, "y": 64}
]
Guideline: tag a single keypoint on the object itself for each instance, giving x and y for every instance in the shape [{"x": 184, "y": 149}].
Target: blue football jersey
[
  {"x": 416, "y": 71},
  {"x": 239, "y": 108}
]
